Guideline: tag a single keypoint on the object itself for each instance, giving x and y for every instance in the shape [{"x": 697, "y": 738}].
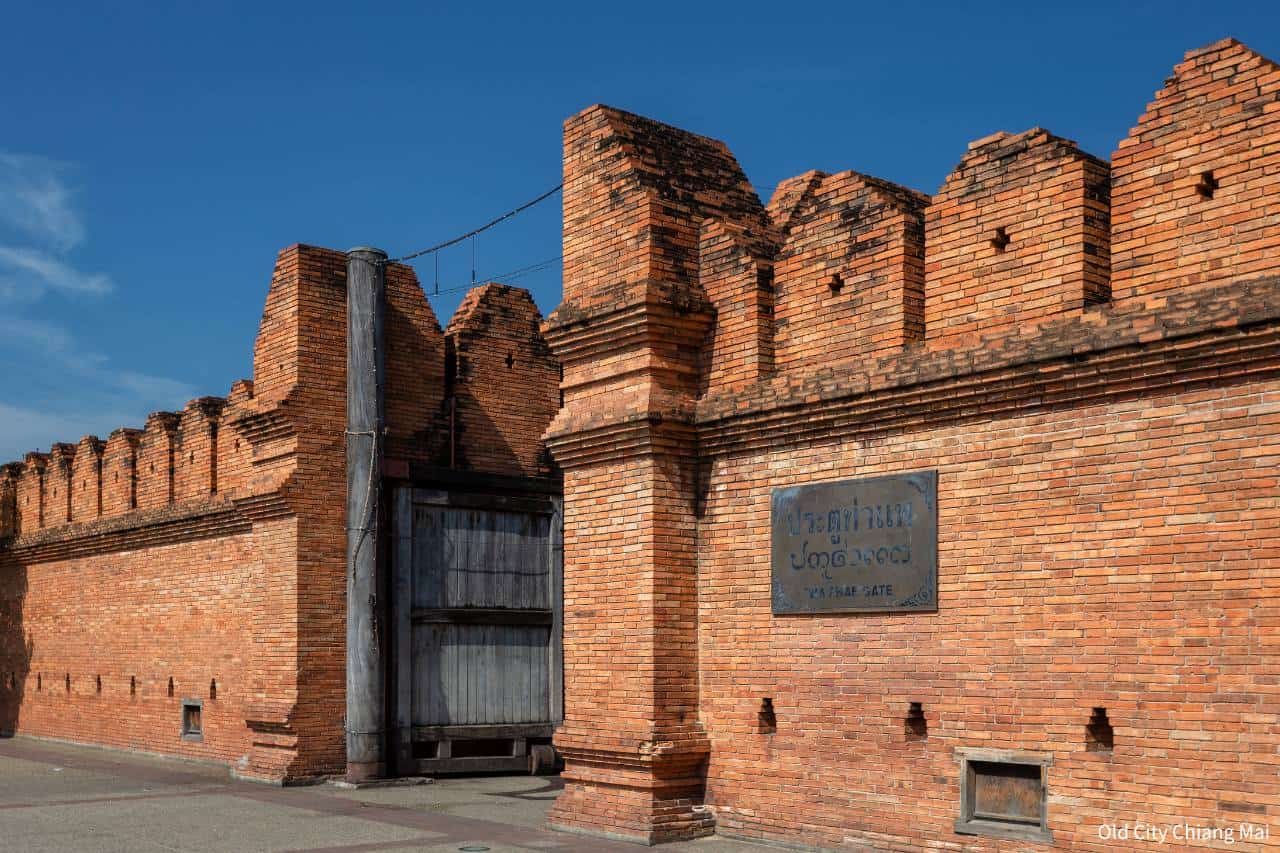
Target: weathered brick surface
[
  {"x": 58, "y": 483},
  {"x": 30, "y": 492},
  {"x": 850, "y": 273},
  {"x": 504, "y": 384},
  {"x": 157, "y": 453},
  {"x": 1109, "y": 528},
  {"x": 196, "y": 452},
  {"x": 415, "y": 367},
  {"x": 1216, "y": 118},
  {"x": 9, "y": 474},
  {"x": 1018, "y": 233},
  {"x": 629, "y": 334},
  {"x": 119, "y": 472},
  {"x": 86, "y": 479},
  {"x": 736, "y": 270},
  {"x": 208, "y": 550}
]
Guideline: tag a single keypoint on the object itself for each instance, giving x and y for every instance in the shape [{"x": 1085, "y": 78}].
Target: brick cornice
[
  {"x": 165, "y": 526},
  {"x": 651, "y": 420},
  {"x": 658, "y": 758},
  {"x": 631, "y": 316},
  {"x": 637, "y": 436},
  {"x": 1213, "y": 334}
]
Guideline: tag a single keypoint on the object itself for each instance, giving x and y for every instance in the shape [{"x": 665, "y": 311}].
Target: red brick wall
[
  {"x": 174, "y": 553},
  {"x": 415, "y": 366},
  {"x": 1216, "y": 115},
  {"x": 157, "y": 452},
  {"x": 505, "y": 384},
  {"x": 30, "y": 492},
  {"x": 86, "y": 479},
  {"x": 9, "y": 474},
  {"x": 210, "y": 547},
  {"x": 119, "y": 472},
  {"x": 736, "y": 269},
  {"x": 1017, "y": 234},
  {"x": 1118, "y": 554},
  {"x": 57, "y": 504},
  {"x": 850, "y": 273},
  {"x": 132, "y": 618},
  {"x": 1108, "y": 522},
  {"x": 196, "y": 455}
]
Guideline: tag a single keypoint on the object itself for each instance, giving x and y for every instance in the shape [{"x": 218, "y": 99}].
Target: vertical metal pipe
[{"x": 365, "y": 396}]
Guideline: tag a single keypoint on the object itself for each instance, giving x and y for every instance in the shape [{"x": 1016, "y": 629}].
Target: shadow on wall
[
  {"x": 472, "y": 440},
  {"x": 501, "y": 386},
  {"x": 15, "y": 647}
]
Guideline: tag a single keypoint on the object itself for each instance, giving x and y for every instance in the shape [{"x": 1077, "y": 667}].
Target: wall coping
[{"x": 1110, "y": 349}]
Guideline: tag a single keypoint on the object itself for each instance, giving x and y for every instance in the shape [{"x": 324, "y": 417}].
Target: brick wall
[
  {"x": 1193, "y": 182},
  {"x": 850, "y": 274},
  {"x": 504, "y": 384},
  {"x": 1017, "y": 233},
  {"x": 1106, "y": 450},
  {"x": 203, "y": 557}
]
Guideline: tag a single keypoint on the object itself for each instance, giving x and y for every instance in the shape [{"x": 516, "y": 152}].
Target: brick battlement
[
  {"x": 1027, "y": 229},
  {"x": 205, "y": 455}
]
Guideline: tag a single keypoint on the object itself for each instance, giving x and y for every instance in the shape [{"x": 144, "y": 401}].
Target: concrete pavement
[{"x": 56, "y": 797}]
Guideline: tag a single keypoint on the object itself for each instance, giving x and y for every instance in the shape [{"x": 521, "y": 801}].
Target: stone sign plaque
[{"x": 857, "y": 546}]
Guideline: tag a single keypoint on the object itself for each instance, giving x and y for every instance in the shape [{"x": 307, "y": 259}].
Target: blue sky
[{"x": 154, "y": 159}]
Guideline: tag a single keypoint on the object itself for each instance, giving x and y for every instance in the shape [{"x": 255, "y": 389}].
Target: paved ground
[{"x": 55, "y": 797}]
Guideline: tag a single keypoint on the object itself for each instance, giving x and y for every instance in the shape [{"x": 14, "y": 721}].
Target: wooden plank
[
  {"x": 485, "y": 630},
  {"x": 481, "y": 558},
  {"x": 436, "y": 476},
  {"x": 482, "y": 616},
  {"x": 488, "y": 764},
  {"x": 483, "y": 732},
  {"x": 486, "y": 674}
]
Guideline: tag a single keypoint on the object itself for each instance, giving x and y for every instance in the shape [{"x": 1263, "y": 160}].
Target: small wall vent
[
  {"x": 917, "y": 727},
  {"x": 192, "y": 724},
  {"x": 766, "y": 719},
  {"x": 1099, "y": 736}
]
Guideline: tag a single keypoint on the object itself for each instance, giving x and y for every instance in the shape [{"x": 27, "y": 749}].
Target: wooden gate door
[{"x": 477, "y": 671}]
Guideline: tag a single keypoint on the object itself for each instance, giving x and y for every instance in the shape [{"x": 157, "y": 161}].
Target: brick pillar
[
  {"x": 630, "y": 335},
  {"x": 635, "y": 752}
]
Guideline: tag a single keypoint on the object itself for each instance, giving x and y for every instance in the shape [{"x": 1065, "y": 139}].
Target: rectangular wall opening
[
  {"x": 1003, "y": 795},
  {"x": 192, "y": 724}
]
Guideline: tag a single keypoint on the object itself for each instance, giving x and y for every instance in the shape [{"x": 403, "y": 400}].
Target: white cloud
[
  {"x": 35, "y": 199},
  {"x": 84, "y": 394},
  {"x": 169, "y": 393},
  {"x": 25, "y": 275},
  {"x": 23, "y": 430},
  {"x": 55, "y": 344},
  {"x": 40, "y": 223},
  {"x": 66, "y": 390},
  {"x": 24, "y": 334}
]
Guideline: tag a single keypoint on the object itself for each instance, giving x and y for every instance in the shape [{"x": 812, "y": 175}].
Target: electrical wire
[
  {"x": 501, "y": 278},
  {"x": 471, "y": 234}
]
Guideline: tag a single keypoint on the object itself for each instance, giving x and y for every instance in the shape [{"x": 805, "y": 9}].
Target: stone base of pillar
[
  {"x": 648, "y": 790},
  {"x": 358, "y": 772}
]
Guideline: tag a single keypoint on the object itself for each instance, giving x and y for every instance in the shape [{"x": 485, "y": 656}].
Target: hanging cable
[
  {"x": 471, "y": 234},
  {"x": 501, "y": 278}
]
